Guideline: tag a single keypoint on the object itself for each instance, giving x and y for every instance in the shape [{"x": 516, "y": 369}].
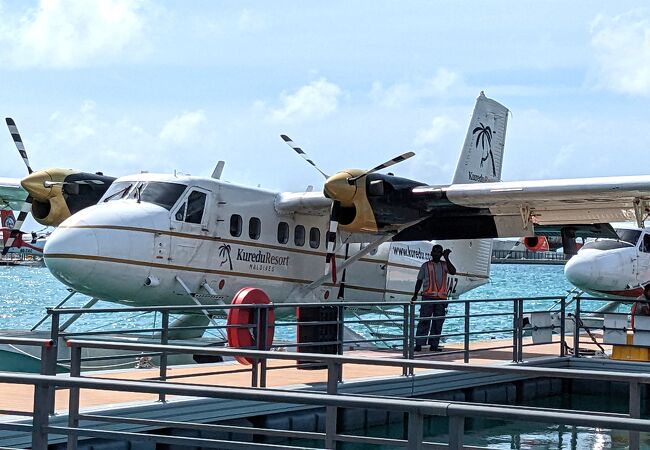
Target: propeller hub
[
  {"x": 42, "y": 185},
  {"x": 35, "y": 185},
  {"x": 338, "y": 188}
]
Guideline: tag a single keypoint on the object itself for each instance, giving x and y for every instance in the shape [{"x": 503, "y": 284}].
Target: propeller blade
[
  {"x": 330, "y": 243},
  {"x": 18, "y": 141},
  {"x": 300, "y": 151},
  {"x": 15, "y": 231},
  {"x": 341, "y": 294},
  {"x": 397, "y": 159}
]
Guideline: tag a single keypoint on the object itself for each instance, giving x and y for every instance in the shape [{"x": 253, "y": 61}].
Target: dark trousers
[{"x": 428, "y": 326}]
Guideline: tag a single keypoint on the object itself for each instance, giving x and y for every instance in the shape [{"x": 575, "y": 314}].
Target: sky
[{"x": 121, "y": 86}]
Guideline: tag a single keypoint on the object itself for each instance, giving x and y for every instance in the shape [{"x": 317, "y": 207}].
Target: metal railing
[
  {"x": 383, "y": 330},
  {"x": 44, "y": 392},
  {"x": 417, "y": 410}
]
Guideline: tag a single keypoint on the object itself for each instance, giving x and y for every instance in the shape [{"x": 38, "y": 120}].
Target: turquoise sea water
[{"x": 27, "y": 291}]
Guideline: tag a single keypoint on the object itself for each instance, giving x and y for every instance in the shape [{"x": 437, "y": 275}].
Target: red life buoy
[
  {"x": 536, "y": 244},
  {"x": 243, "y": 337}
]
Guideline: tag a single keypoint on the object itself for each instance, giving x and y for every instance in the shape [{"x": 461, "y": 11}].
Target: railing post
[
  {"x": 40, "y": 417},
  {"x": 52, "y": 358},
  {"x": 331, "y": 412},
  {"x": 416, "y": 430},
  {"x": 515, "y": 335},
  {"x": 562, "y": 326},
  {"x": 261, "y": 342},
  {"x": 405, "y": 339},
  {"x": 73, "y": 402},
  {"x": 411, "y": 332},
  {"x": 456, "y": 432},
  {"x": 164, "y": 340},
  {"x": 254, "y": 361},
  {"x": 466, "y": 331},
  {"x": 576, "y": 329},
  {"x": 635, "y": 413},
  {"x": 520, "y": 331},
  {"x": 340, "y": 328}
]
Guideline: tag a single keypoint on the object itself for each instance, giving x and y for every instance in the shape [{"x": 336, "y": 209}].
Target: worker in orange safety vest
[{"x": 432, "y": 278}]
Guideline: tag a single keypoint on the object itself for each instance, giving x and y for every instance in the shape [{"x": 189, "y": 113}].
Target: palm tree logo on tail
[
  {"x": 224, "y": 252},
  {"x": 484, "y": 137}
]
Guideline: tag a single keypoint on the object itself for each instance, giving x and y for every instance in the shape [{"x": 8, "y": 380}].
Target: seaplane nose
[
  {"x": 597, "y": 270},
  {"x": 105, "y": 251},
  {"x": 61, "y": 252},
  {"x": 581, "y": 271}
]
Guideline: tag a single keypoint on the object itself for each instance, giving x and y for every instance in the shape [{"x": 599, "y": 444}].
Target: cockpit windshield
[
  {"x": 156, "y": 192},
  {"x": 629, "y": 236},
  {"x": 117, "y": 191}
]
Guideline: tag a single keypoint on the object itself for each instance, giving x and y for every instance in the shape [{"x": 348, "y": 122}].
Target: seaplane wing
[
  {"x": 551, "y": 202},
  {"x": 12, "y": 195}
]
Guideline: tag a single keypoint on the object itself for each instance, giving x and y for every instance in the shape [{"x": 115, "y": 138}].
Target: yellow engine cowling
[
  {"x": 45, "y": 186},
  {"x": 354, "y": 201}
]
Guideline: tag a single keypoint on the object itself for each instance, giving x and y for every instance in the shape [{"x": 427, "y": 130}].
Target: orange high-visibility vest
[{"x": 433, "y": 290}]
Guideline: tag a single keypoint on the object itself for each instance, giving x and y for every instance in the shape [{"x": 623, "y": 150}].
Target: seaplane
[
  {"x": 613, "y": 267},
  {"x": 24, "y": 243},
  {"x": 156, "y": 239}
]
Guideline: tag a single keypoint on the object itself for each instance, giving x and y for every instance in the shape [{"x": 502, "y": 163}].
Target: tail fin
[
  {"x": 480, "y": 162},
  {"x": 482, "y": 155}
]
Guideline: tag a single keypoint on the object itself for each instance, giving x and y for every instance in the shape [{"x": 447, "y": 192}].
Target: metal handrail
[{"x": 416, "y": 409}]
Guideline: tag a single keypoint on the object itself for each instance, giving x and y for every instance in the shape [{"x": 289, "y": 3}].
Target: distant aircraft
[
  {"x": 617, "y": 268},
  {"x": 24, "y": 243}
]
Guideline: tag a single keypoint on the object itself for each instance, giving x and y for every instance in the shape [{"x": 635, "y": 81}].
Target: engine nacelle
[
  {"x": 536, "y": 244},
  {"x": 59, "y": 193}
]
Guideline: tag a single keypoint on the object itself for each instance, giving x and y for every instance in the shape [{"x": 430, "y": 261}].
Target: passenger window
[
  {"x": 646, "y": 244},
  {"x": 283, "y": 232},
  {"x": 235, "y": 225},
  {"x": 314, "y": 237},
  {"x": 299, "y": 235},
  {"x": 254, "y": 228},
  {"x": 195, "y": 207}
]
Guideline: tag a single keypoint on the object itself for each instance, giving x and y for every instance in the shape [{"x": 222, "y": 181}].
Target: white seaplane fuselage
[
  {"x": 153, "y": 236},
  {"x": 613, "y": 268}
]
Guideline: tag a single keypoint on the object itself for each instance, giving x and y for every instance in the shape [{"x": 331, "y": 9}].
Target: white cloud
[
  {"x": 184, "y": 128},
  {"x": 250, "y": 21},
  {"x": 432, "y": 135},
  {"x": 622, "y": 49},
  {"x": 74, "y": 33},
  {"x": 316, "y": 100},
  {"x": 404, "y": 93}
]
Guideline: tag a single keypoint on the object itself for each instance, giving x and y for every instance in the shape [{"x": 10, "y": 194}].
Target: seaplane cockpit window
[
  {"x": 299, "y": 235},
  {"x": 161, "y": 194},
  {"x": 283, "y": 232},
  {"x": 254, "y": 228},
  {"x": 314, "y": 237},
  {"x": 236, "y": 223},
  {"x": 629, "y": 236},
  {"x": 118, "y": 191},
  {"x": 195, "y": 207}
]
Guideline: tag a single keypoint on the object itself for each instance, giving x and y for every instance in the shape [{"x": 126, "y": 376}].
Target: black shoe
[
  {"x": 417, "y": 348},
  {"x": 437, "y": 349}
]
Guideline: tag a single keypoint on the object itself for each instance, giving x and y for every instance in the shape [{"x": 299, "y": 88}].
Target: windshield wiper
[{"x": 120, "y": 193}]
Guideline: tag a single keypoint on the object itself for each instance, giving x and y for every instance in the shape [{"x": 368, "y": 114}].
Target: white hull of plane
[
  {"x": 613, "y": 268},
  {"x": 117, "y": 236}
]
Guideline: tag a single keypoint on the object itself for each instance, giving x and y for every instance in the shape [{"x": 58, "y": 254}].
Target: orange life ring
[
  {"x": 243, "y": 337},
  {"x": 536, "y": 244}
]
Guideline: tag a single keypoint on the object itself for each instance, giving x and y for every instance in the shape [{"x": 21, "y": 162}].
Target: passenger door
[
  {"x": 190, "y": 222},
  {"x": 643, "y": 259}
]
